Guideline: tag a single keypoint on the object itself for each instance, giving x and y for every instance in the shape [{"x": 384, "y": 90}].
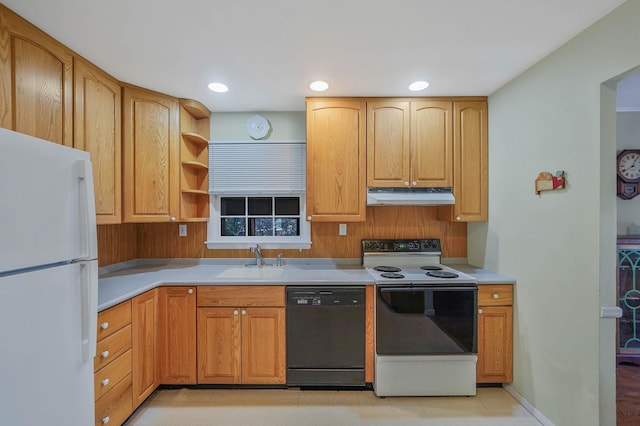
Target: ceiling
[{"x": 268, "y": 52}]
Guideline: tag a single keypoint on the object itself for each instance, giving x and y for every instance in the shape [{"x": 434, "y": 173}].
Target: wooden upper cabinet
[
  {"x": 98, "y": 119},
  {"x": 36, "y": 77},
  {"x": 150, "y": 156},
  {"x": 470, "y": 145},
  {"x": 336, "y": 160},
  {"x": 409, "y": 143},
  {"x": 431, "y": 144},
  {"x": 388, "y": 143}
]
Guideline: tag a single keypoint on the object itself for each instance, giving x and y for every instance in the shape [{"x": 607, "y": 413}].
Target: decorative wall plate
[{"x": 258, "y": 127}]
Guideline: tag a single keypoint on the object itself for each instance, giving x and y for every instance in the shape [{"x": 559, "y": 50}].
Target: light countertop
[{"x": 121, "y": 282}]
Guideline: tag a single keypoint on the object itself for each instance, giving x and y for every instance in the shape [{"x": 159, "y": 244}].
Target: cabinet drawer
[
  {"x": 495, "y": 295},
  {"x": 105, "y": 379},
  {"x": 236, "y": 296},
  {"x": 115, "y": 406},
  {"x": 112, "y": 347},
  {"x": 113, "y": 319}
]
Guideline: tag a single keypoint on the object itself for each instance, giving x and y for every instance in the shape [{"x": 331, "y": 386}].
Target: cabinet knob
[
  {"x": 309, "y": 218},
  {"x": 190, "y": 291},
  {"x": 104, "y": 325},
  {"x": 415, "y": 183},
  {"x": 172, "y": 218},
  {"x": 480, "y": 310},
  {"x": 235, "y": 312},
  {"x": 406, "y": 184},
  {"x": 105, "y": 382},
  {"x": 104, "y": 354},
  {"x": 495, "y": 295},
  {"x": 458, "y": 218},
  {"x": 105, "y": 420},
  {"x": 244, "y": 312}
]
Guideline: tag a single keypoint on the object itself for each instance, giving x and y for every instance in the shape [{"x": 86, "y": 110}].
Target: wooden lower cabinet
[
  {"x": 495, "y": 334},
  {"x": 144, "y": 312},
  {"x": 245, "y": 343},
  {"x": 113, "y": 366},
  {"x": 177, "y": 335}
]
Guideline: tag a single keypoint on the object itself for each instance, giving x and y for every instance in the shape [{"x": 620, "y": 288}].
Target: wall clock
[{"x": 628, "y": 167}]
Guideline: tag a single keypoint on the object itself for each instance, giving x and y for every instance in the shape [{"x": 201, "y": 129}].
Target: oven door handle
[{"x": 418, "y": 288}]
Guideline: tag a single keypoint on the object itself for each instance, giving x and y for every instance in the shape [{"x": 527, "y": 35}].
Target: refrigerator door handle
[
  {"x": 89, "y": 310},
  {"x": 87, "y": 214}
]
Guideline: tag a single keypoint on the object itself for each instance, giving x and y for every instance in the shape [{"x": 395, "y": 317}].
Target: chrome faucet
[
  {"x": 257, "y": 250},
  {"x": 279, "y": 259}
]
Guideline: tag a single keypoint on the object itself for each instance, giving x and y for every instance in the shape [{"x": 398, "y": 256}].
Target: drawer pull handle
[
  {"x": 105, "y": 354},
  {"x": 105, "y": 420},
  {"x": 105, "y": 382},
  {"x": 495, "y": 295},
  {"x": 104, "y": 325}
]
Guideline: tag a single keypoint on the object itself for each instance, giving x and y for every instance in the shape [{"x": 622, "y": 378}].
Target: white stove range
[
  {"x": 425, "y": 320},
  {"x": 409, "y": 261}
]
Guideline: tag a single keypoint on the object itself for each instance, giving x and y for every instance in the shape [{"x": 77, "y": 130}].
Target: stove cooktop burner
[
  {"x": 431, "y": 268},
  {"x": 386, "y": 269},
  {"x": 393, "y": 275},
  {"x": 442, "y": 274}
]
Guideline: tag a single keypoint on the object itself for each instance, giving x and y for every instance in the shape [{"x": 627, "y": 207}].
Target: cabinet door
[
  {"x": 495, "y": 344},
  {"x": 431, "y": 144},
  {"x": 177, "y": 335},
  {"x": 36, "y": 76},
  {"x": 97, "y": 121},
  {"x": 219, "y": 354},
  {"x": 388, "y": 143},
  {"x": 470, "y": 153},
  {"x": 263, "y": 346},
  {"x": 150, "y": 163},
  {"x": 336, "y": 178},
  {"x": 143, "y": 326}
]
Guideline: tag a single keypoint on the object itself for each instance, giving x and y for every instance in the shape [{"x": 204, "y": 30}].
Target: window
[
  {"x": 257, "y": 195},
  {"x": 273, "y": 221}
]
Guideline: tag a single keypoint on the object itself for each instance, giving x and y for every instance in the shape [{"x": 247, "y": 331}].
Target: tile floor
[{"x": 282, "y": 407}]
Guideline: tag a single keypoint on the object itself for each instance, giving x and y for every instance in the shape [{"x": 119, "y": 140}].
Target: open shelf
[
  {"x": 195, "y": 120},
  {"x": 195, "y": 139}
]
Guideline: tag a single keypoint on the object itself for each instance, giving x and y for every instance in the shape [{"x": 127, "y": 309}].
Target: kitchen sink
[{"x": 255, "y": 272}]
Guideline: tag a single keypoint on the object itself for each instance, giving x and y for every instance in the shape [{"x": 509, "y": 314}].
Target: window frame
[{"x": 217, "y": 241}]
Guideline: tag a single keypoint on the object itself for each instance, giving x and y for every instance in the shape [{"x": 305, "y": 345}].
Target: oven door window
[{"x": 426, "y": 321}]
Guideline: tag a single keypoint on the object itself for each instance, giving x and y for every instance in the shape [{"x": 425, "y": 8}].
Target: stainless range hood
[{"x": 380, "y": 196}]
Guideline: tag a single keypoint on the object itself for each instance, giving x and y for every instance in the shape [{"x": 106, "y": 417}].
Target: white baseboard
[{"x": 527, "y": 405}]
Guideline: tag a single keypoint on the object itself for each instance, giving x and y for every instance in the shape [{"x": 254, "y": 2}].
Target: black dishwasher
[{"x": 325, "y": 336}]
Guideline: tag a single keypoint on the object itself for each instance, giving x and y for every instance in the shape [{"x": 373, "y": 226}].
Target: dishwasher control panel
[{"x": 329, "y": 296}]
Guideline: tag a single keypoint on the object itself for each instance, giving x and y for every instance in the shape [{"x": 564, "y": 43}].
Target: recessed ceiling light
[
  {"x": 218, "y": 87},
  {"x": 418, "y": 85},
  {"x": 319, "y": 86}
]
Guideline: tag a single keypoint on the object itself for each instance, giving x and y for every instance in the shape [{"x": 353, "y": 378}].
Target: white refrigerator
[{"x": 48, "y": 283}]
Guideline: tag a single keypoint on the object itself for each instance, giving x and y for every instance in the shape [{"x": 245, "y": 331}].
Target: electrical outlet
[
  {"x": 182, "y": 229},
  {"x": 342, "y": 229}
]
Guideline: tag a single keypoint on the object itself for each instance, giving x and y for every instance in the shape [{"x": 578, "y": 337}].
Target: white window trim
[{"x": 217, "y": 241}]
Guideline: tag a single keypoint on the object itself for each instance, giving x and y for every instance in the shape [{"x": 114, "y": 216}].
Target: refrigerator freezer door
[
  {"x": 44, "y": 378},
  {"x": 48, "y": 210}
]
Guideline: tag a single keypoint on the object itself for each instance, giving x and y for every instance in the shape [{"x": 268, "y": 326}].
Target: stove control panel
[{"x": 401, "y": 246}]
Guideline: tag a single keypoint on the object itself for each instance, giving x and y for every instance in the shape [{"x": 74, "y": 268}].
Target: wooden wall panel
[
  {"x": 116, "y": 243},
  {"x": 161, "y": 240}
]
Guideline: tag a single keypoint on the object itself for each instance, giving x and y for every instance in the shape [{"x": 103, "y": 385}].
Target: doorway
[{"x": 627, "y": 131}]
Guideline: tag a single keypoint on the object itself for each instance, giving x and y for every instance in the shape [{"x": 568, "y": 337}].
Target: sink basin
[{"x": 257, "y": 272}]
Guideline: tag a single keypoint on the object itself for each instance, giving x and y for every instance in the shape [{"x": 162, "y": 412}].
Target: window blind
[{"x": 254, "y": 167}]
